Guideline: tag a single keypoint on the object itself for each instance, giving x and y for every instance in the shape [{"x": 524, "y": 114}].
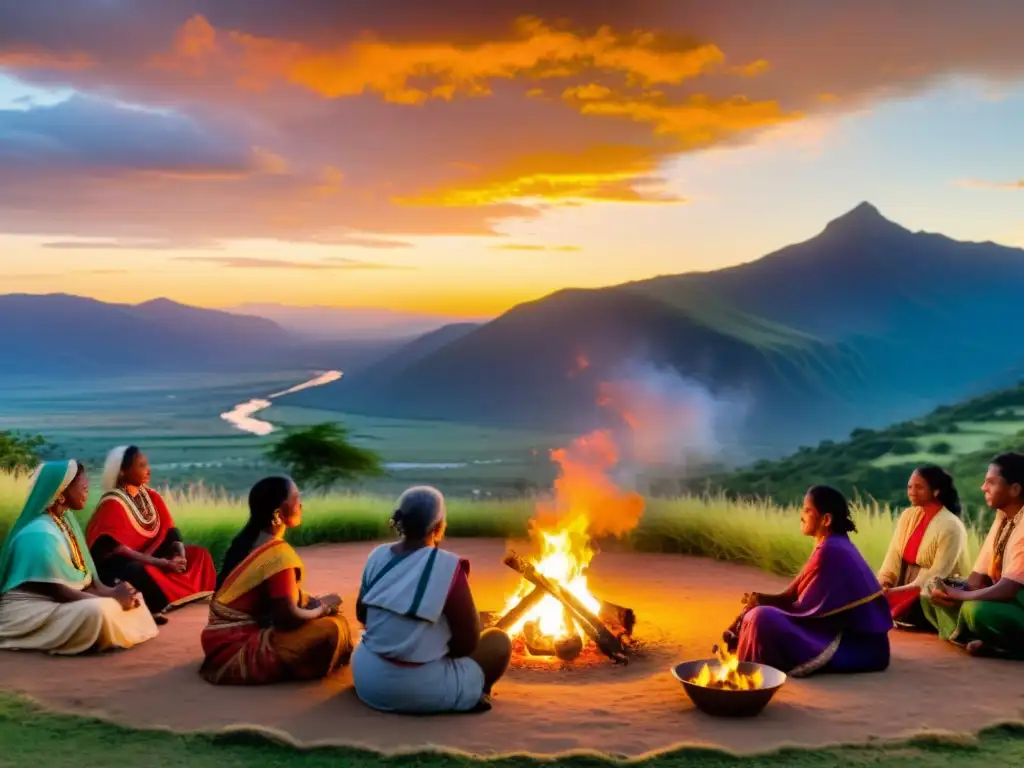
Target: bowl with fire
[{"x": 727, "y": 687}]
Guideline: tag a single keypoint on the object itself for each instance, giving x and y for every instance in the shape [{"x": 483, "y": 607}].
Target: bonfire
[{"x": 554, "y": 613}]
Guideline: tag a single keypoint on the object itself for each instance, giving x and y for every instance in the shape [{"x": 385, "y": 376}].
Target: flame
[
  {"x": 564, "y": 557},
  {"x": 727, "y": 675},
  {"x": 586, "y": 503}
]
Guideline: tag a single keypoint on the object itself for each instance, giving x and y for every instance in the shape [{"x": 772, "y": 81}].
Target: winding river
[{"x": 242, "y": 415}]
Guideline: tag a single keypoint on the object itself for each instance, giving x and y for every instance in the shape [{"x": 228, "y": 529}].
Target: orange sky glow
[{"x": 461, "y": 159}]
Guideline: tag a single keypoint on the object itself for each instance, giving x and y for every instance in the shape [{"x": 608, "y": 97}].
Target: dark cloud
[{"x": 92, "y": 134}]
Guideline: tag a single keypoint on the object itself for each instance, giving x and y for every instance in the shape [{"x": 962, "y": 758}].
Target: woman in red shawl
[{"x": 132, "y": 538}]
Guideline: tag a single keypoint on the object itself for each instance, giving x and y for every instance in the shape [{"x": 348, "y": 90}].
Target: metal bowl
[{"x": 722, "y": 702}]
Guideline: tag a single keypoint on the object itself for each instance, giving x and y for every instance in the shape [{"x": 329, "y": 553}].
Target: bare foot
[{"x": 979, "y": 649}]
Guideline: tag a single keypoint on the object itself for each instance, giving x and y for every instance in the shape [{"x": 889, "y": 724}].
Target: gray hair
[{"x": 420, "y": 511}]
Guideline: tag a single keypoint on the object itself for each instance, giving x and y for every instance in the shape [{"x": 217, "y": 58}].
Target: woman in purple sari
[{"x": 834, "y": 617}]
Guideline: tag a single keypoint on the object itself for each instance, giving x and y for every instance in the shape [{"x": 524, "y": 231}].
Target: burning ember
[
  {"x": 727, "y": 675},
  {"x": 554, "y": 613}
]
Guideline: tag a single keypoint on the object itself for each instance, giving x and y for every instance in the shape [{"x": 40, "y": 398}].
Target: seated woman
[
  {"x": 930, "y": 542},
  {"x": 833, "y": 617},
  {"x": 985, "y": 614},
  {"x": 423, "y": 651},
  {"x": 132, "y": 538},
  {"x": 263, "y": 628},
  {"x": 51, "y": 598}
]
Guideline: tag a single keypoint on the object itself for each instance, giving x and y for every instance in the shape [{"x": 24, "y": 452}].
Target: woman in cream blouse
[{"x": 930, "y": 542}]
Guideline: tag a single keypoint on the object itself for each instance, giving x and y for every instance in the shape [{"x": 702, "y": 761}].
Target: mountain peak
[{"x": 864, "y": 218}]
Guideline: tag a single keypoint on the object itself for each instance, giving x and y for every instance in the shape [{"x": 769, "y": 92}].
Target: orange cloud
[
  {"x": 752, "y": 69},
  {"x": 696, "y": 122},
  {"x": 602, "y": 173},
  {"x": 34, "y": 58},
  {"x": 331, "y": 184},
  {"x": 261, "y": 162},
  {"x": 269, "y": 163},
  {"x": 983, "y": 184},
  {"x": 248, "y": 262},
  {"x": 416, "y": 72},
  {"x": 194, "y": 44},
  {"x": 532, "y": 247}
]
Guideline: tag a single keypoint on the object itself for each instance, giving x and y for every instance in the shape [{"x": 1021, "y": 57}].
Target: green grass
[
  {"x": 34, "y": 736},
  {"x": 176, "y": 420},
  {"x": 753, "y": 533}
]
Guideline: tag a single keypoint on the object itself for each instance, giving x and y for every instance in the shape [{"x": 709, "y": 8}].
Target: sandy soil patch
[{"x": 682, "y": 606}]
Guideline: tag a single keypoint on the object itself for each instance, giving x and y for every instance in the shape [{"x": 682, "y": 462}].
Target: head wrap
[{"x": 112, "y": 468}]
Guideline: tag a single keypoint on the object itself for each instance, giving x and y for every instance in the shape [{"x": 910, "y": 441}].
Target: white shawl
[{"x": 414, "y": 585}]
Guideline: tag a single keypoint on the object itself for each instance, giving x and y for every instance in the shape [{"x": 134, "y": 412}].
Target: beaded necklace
[
  {"x": 76, "y": 554},
  {"x": 140, "y": 507}
]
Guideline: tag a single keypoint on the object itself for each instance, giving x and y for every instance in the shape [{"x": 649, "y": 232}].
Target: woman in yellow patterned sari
[{"x": 263, "y": 628}]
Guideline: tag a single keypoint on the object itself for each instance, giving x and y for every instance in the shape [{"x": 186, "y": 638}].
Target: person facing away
[
  {"x": 51, "y": 598},
  {"x": 833, "y": 617},
  {"x": 422, "y": 650},
  {"x": 132, "y": 537},
  {"x": 930, "y": 542},
  {"x": 263, "y": 628},
  {"x": 986, "y": 614}
]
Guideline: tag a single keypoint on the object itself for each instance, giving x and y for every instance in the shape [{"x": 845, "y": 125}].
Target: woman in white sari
[
  {"x": 50, "y": 598},
  {"x": 423, "y": 651}
]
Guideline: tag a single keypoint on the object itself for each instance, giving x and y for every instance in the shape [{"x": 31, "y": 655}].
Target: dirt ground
[{"x": 682, "y": 605}]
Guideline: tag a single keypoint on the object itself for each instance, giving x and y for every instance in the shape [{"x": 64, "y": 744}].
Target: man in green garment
[{"x": 986, "y": 615}]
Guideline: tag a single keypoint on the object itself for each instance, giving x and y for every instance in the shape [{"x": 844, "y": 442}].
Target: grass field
[
  {"x": 176, "y": 420},
  {"x": 753, "y": 533},
  {"x": 33, "y": 736}
]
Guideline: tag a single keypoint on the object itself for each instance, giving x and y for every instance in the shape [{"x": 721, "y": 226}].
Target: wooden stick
[
  {"x": 625, "y": 617},
  {"x": 517, "y": 611},
  {"x": 608, "y": 643}
]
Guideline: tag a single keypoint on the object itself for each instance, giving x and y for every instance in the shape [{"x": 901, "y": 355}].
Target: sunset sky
[{"x": 447, "y": 156}]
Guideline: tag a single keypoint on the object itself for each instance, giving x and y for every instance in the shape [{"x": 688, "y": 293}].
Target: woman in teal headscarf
[{"x": 50, "y": 597}]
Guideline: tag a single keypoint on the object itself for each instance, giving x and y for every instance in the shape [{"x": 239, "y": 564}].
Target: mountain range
[
  {"x": 864, "y": 324},
  {"x": 62, "y": 335}
]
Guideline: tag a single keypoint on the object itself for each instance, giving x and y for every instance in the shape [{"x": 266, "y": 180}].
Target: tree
[
  {"x": 20, "y": 453},
  {"x": 321, "y": 455}
]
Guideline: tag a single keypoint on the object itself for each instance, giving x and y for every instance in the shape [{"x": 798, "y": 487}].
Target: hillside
[
  {"x": 864, "y": 324},
  {"x": 381, "y": 372},
  {"x": 893, "y": 295},
  {"x": 877, "y": 463},
  {"x": 62, "y": 335}
]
